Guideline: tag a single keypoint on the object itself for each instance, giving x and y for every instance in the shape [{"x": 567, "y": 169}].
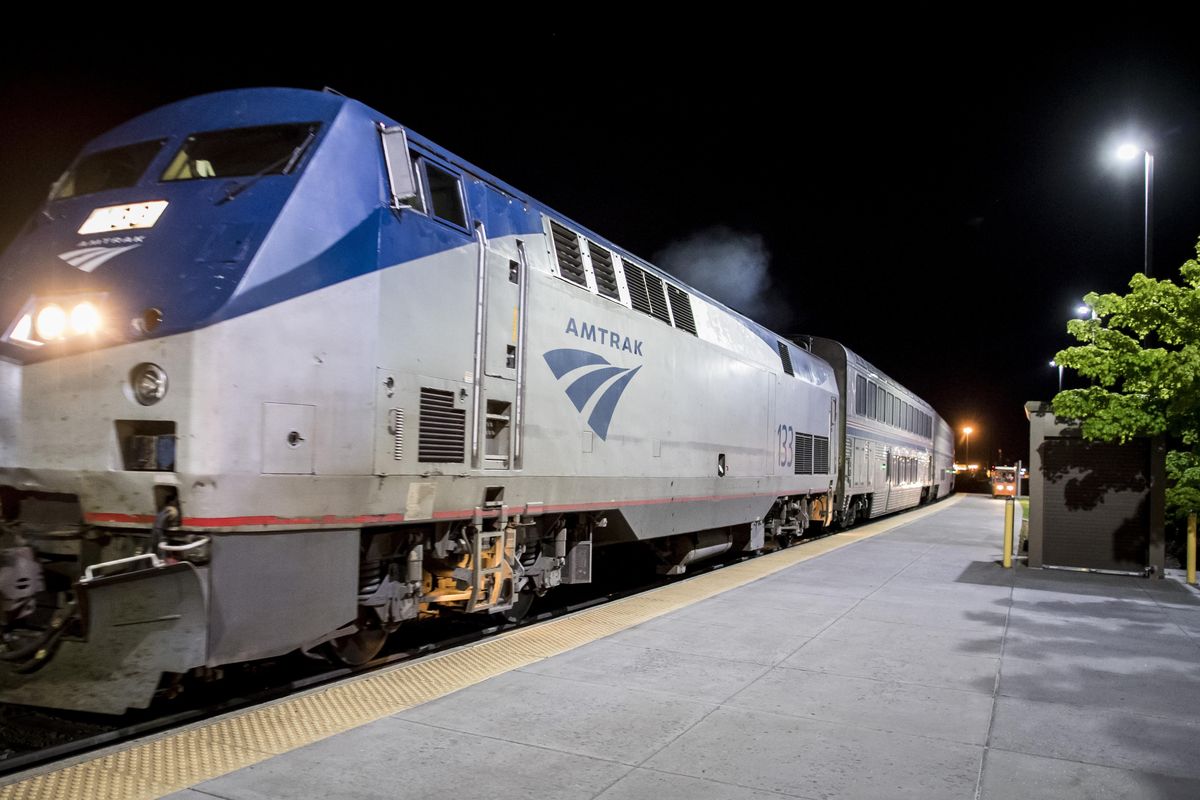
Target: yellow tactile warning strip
[{"x": 177, "y": 760}]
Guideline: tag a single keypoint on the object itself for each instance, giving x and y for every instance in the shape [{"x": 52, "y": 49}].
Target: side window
[
  {"x": 860, "y": 395},
  {"x": 871, "y": 400},
  {"x": 443, "y": 191}
]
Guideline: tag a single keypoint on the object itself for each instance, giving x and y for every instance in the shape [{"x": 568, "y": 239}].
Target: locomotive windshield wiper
[{"x": 287, "y": 163}]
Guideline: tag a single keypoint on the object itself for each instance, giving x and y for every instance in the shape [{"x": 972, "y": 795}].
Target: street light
[
  {"x": 967, "y": 431},
  {"x": 1060, "y": 368},
  {"x": 1128, "y": 152}
]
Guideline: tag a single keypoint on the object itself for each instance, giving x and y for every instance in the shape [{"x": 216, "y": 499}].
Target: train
[{"x": 279, "y": 374}]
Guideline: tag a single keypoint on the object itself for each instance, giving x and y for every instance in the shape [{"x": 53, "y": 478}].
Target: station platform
[{"x": 897, "y": 660}]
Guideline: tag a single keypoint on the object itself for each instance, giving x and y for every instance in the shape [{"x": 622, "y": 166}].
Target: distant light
[
  {"x": 1083, "y": 310},
  {"x": 968, "y": 430},
  {"x": 1053, "y": 364},
  {"x": 1128, "y": 152},
  {"x": 123, "y": 218}
]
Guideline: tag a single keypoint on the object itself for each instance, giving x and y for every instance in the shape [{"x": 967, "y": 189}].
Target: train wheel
[
  {"x": 520, "y": 607},
  {"x": 359, "y": 647}
]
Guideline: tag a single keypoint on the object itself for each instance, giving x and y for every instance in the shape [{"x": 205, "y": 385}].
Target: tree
[{"x": 1142, "y": 352}]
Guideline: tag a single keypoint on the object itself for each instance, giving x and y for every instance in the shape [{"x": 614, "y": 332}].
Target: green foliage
[{"x": 1142, "y": 353}]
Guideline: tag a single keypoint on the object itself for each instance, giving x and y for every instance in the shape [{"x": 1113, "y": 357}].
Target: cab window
[
  {"x": 108, "y": 169},
  {"x": 241, "y": 152},
  {"x": 445, "y": 194}
]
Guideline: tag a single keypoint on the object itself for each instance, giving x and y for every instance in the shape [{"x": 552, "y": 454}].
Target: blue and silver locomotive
[{"x": 277, "y": 373}]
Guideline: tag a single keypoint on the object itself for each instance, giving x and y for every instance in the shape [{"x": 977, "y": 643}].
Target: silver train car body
[
  {"x": 897, "y": 451},
  {"x": 328, "y": 400}
]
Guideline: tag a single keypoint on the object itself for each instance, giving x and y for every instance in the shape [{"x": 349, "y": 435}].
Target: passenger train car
[{"x": 277, "y": 373}]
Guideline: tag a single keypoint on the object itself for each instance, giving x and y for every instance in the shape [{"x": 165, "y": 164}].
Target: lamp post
[
  {"x": 967, "y": 431},
  {"x": 1128, "y": 152},
  {"x": 1056, "y": 364}
]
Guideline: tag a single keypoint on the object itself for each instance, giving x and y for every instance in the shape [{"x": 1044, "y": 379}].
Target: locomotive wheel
[
  {"x": 520, "y": 607},
  {"x": 359, "y": 647}
]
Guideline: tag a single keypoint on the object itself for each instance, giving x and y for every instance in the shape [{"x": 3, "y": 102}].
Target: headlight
[
  {"x": 22, "y": 332},
  {"x": 149, "y": 382},
  {"x": 85, "y": 318},
  {"x": 45, "y": 320},
  {"x": 51, "y": 323}
]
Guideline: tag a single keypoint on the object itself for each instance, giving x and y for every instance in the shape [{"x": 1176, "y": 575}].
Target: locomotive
[{"x": 278, "y": 374}]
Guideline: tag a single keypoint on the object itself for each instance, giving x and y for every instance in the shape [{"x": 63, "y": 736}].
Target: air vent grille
[
  {"x": 681, "y": 309},
  {"x": 658, "y": 299},
  {"x": 785, "y": 355},
  {"x": 635, "y": 277},
  {"x": 396, "y": 423},
  {"x": 605, "y": 272},
  {"x": 442, "y": 428},
  {"x": 804, "y": 453},
  {"x": 820, "y": 455},
  {"x": 570, "y": 258}
]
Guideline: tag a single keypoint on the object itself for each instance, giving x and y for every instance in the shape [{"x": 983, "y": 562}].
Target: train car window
[
  {"x": 871, "y": 400},
  {"x": 569, "y": 254},
  {"x": 604, "y": 271},
  {"x": 881, "y": 404},
  {"x": 445, "y": 195},
  {"x": 860, "y": 395},
  {"x": 241, "y": 152},
  {"x": 108, "y": 169}
]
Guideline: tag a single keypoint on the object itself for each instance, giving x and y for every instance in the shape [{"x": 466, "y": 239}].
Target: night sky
[{"x": 940, "y": 203}]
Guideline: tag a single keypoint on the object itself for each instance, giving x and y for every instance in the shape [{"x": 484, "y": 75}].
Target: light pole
[
  {"x": 1056, "y": 364},
  {"x": 1128, "y": 152},
  {"x": 967, "y": 431}
]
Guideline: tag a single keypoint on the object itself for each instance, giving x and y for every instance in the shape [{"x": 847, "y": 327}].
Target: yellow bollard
[
  {"x": 1191, "y": 550},
  {"x": 1009, "y": 505}
]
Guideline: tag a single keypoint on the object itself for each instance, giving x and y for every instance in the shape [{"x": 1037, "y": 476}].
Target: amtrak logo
[
  {"x": 89, "y": 259},
  {"x": 592, "y": 375}
]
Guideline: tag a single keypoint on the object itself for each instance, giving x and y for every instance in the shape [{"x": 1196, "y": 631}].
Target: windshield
[
  {"x": 108, "y": 169},
  {"x": 268, "y": 150}
]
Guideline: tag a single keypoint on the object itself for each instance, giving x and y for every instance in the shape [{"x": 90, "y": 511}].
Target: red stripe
[
  {"x": 223, "y": 522},
  {"x": 230, "y": 522}
]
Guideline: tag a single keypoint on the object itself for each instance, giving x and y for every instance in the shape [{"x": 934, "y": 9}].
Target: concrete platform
[{"x": 908, "y": 665}]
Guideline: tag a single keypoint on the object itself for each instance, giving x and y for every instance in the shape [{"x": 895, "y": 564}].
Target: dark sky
[{"x": 937, "y": 200}]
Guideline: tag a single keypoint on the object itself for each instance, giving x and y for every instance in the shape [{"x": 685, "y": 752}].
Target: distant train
[{"x": 277, "y": 373}]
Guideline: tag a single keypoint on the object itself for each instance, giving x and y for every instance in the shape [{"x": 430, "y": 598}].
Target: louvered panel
[
  {"x": 570, "y": 258},
  {"x": 820, "y": 455},
  {"x": 681, "y": 308},
  {"x": 603, "y": 269},
  {"x": 442, "y": 428},
  {"x": 397, "y": 425},
  {"x": 635, "y": 279},
  {"x": 785, "y": 356},
  {"x": 657, "y": 297},
  {"x": 804, "y": 453}
]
